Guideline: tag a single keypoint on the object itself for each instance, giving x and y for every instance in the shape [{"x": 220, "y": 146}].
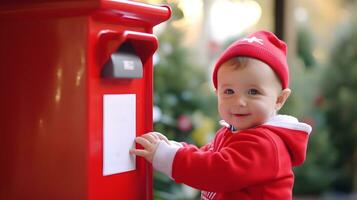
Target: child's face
[{"x": 248, "y": 95}]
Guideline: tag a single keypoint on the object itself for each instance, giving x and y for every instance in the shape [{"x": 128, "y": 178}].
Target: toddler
[{"x": 252, "y": 155}]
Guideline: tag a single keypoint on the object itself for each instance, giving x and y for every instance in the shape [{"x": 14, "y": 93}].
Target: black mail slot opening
[{"x": 123, "y": 64}]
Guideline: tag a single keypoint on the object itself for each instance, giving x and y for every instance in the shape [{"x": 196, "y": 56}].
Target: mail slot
[
  {"x": 76, "y": 79},
  {"x": 123, "y": 63},
  {"x": 132, "y": 50}
]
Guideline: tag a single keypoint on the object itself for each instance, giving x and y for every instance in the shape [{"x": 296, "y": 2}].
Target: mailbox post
[{"x": 76, "y": 83}]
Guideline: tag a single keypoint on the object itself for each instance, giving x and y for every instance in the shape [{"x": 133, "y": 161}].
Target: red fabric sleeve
[
  {"x": 203, "y": 148},
  {"x": 247, "y": 158}
]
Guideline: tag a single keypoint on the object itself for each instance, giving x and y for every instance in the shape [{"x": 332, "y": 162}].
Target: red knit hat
[{"x": 261, "y": 45}]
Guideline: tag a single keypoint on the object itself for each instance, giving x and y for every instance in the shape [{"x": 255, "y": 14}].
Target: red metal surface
[
  {"x": 109, "y": 10},
  {"x": 51, "y": 126},
  {"x": 43, "y": 109}
]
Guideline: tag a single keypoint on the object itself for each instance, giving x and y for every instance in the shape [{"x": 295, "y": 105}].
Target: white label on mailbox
[
  {"x": 129, "y": 65},
  {"x": 119, "y": 129}
]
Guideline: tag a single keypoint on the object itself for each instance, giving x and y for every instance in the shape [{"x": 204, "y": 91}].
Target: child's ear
[{"x": 283, "y": 96}]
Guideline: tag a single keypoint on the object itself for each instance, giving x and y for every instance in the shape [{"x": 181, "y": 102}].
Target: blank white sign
[{"x": 119, "y": 133}]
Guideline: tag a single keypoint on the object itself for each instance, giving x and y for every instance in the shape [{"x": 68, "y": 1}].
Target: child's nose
[{"x": 241, "y": 101}]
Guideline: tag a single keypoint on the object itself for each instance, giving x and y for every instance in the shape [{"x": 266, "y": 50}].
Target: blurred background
[{"x": 322, "y": 55}]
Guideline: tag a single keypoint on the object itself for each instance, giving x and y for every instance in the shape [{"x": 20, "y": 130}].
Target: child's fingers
[
  {"x": 153, "y": 134},
  {"x": 145, "y": 143},
  {"x": 138, "y": 152},
  {"x": 161, "y": 137},
  {"x": 142, "y": 153},
  {"x": 151, "y": 138}
]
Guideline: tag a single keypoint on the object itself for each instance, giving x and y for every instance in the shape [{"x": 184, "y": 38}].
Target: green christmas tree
[
  {"x": 340, "y": 94},
  {"x": 314, "y": 176},
  {"x": 183, "y": 100}
]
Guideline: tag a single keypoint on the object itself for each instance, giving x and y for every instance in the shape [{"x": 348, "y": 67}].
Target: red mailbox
[{"x": 76, "y": 87}]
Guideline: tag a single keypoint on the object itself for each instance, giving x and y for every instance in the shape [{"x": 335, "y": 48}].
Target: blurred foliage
[
  {"x": 331, "y": 163},
  {"x": 315, "y": 176},
  {"x": 305, "y": 46},
  {"x": 185, "y": 101},
  {"x": 340, "y": 94}
]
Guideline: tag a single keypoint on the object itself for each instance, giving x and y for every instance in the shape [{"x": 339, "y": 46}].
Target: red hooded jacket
[{"x": 255, "y": 163}]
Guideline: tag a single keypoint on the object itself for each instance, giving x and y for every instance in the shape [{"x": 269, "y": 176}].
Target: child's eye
[
  {"x": 228, "y": 91},
  {"x": 253, "y": 92}
]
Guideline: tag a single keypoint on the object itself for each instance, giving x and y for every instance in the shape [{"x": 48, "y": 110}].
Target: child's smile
[{"x": 242, "y": 115}]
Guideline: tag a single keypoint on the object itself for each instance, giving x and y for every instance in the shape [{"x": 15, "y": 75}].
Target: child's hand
[{"x": 150, "y": 143}]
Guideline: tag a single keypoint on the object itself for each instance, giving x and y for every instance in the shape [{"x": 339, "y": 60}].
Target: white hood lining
[
  {"x": 289, "y": 122},
  {"x": 283, "y": 121}
]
